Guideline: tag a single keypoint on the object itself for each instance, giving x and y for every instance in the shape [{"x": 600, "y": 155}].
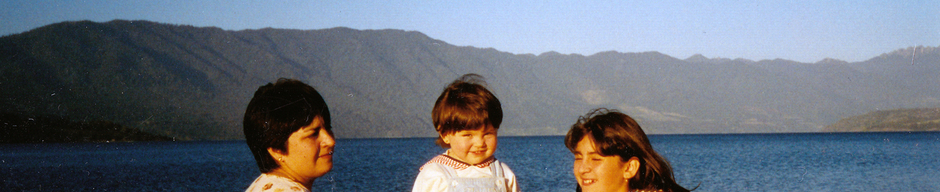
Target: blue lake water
[{"x": 720, "y": 162}]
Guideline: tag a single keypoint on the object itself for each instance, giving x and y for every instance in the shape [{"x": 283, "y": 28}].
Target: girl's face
[
  {"x": 309, "y": 152},
  {"x": 472, "y": 146},
  {"x": 596, "y": 172}
]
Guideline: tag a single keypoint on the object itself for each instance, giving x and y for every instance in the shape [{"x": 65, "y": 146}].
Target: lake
[{"x": 714, "y": 162}]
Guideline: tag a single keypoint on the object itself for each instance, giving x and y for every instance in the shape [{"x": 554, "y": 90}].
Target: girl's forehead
[{"x": 587, "y": 143}]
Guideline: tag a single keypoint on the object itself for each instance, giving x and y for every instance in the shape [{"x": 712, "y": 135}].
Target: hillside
[
  {"x": 194, "y": 82},
  {"x": 925, "y": 119},
  {"x": 46, "y": 129}
]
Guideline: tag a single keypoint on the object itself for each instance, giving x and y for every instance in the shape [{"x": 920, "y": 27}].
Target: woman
[
  {"x": 612, "y": 153},
  {"x": 287, "y": 127}
]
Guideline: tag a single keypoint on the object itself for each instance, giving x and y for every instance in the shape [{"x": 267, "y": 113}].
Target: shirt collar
[{"x": 459, "y": 165}]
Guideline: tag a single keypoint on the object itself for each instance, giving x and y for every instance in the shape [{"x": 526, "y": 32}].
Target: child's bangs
[{"x": 459, "y": 119}]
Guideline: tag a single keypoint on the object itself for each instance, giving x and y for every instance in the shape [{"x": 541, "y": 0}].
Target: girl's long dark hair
[{"x": 617, "y": 134}]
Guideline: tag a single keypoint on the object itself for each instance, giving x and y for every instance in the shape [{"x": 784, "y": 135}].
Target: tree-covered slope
[{"x": 194, "y": 82}]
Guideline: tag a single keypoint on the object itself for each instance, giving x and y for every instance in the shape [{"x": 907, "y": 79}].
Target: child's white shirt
[{"x": 434, "y": 178}]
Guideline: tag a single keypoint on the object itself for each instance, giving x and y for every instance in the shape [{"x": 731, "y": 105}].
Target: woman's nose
[{"x": 328, "y": 140}]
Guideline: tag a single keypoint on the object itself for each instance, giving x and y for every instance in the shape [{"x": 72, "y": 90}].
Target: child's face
[{"x": 472, "y": 146}]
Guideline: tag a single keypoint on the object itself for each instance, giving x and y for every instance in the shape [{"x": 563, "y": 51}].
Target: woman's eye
[{"x": 316, "y": 133}]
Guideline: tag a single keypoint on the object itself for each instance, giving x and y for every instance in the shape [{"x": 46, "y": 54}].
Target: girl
[{"x": 612, "y": 153}]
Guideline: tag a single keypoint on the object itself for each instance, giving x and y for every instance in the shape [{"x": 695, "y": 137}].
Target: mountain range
[{"x": 193, "y": 83}]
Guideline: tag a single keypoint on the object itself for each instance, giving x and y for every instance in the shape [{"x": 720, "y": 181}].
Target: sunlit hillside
[{"x": 194, "y": 82}]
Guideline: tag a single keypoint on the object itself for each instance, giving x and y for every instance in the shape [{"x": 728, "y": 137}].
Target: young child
[{"x": 466, "y": 117}]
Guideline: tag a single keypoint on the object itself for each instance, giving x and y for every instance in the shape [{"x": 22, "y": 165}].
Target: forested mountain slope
[{"x": 194, "y": 82}]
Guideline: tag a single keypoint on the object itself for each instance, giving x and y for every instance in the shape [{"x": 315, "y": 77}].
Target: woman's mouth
[{"x": 327, "y": 155}]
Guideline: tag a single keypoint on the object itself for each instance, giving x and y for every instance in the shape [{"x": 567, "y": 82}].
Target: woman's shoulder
[{"x": 267, "y": 182}]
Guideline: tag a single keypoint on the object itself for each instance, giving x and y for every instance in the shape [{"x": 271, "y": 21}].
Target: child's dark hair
[
  {"x": 617, "y": 134},
  {"x": 275, "y": 112},
  {"x": 465, "y": 104}
]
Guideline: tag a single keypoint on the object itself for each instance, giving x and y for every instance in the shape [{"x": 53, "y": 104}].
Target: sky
[{"x": 804, "y": 31}]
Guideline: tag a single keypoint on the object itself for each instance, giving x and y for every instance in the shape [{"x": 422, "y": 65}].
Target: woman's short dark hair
[
  {"x": 617, "y": 134},
  {"x": 275, "y": 112},
  {"x": 465, "y": 104}
]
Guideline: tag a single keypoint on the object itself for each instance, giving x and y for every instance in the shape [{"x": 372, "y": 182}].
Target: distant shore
[
  {"x": 897, "y": 120},
  {"x": 18, "y": 128}
]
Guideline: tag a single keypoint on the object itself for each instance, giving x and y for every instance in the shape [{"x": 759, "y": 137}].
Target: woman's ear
[
  {"x": 630, "y": 168},
  {"x": 276, "y": 154}
]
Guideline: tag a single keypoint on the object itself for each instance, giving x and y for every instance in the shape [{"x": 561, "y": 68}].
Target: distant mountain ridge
[
  {"x": 194, "y": 82},
  {"x": 923, "y": 119}
]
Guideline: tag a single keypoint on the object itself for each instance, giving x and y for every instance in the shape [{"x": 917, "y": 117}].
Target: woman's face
[
  {"x": 596, "y": 172},
  {"x": 309, "y": 152}
]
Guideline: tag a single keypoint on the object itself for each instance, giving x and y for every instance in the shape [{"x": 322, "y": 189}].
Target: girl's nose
[{"x": 582, "y": 167}]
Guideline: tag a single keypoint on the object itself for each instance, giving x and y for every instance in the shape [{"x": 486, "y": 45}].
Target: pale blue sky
[{"x": 805, "y": 31}]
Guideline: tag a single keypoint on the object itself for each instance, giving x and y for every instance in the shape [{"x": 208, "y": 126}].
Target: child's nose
[{"x": 477, "y": 141}]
